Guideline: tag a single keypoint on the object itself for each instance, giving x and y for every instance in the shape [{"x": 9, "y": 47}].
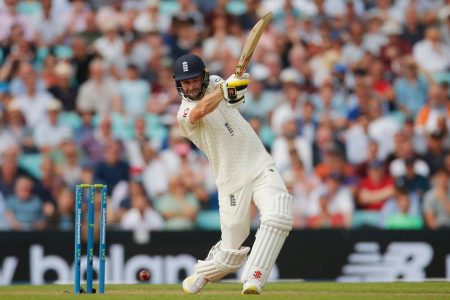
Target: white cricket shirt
[{"x": 234, "y": 150}]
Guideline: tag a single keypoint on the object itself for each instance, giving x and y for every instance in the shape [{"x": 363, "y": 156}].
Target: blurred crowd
[{"x": 351, "y": 98}]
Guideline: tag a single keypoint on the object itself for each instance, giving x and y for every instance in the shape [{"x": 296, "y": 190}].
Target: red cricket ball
[{"x": 144, "y": 275}]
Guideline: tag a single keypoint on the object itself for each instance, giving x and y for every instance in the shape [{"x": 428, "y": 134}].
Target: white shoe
[
  {"x": 252, "y": 287},
  {"x": 194, "y": 284}
]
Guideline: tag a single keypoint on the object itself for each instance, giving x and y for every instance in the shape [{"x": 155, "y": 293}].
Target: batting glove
[{"x": 234, "y": 88}]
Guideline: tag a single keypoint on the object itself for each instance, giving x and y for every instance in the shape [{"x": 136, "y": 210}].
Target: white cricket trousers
[{"x": 235, "y": 208}]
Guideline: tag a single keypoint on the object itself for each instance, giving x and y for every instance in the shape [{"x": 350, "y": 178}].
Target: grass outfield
[{"x": 300, "y": 290}]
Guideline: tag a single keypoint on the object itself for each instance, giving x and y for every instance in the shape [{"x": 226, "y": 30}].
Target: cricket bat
[{"x": 250, "y": 44}]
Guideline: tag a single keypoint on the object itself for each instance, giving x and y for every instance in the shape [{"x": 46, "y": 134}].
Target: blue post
[
  {"x": 102, "y": 247},
  {"x": 90, "y": 241},
  {"x": 77, "y": 246}
]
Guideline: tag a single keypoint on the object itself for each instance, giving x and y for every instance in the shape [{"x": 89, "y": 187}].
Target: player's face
[{"x": 192, "y": 88}]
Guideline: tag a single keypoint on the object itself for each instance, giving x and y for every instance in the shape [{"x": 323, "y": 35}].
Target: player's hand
[{"x": 234, "y": 88}]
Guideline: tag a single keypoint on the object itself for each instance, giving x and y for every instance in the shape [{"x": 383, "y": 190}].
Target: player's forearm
[{"x": 206, "y": 105}]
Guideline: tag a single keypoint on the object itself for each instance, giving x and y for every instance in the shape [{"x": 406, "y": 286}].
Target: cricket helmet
[{"x": 190, "y": 66}]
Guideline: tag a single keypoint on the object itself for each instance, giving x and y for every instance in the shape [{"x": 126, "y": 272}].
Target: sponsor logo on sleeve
[{"x": 232, "y": 200}]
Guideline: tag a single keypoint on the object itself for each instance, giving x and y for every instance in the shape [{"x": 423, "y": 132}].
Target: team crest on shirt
[{"x": 185, "y": 113}]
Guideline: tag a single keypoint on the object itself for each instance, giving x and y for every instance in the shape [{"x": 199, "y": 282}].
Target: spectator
[
  {"x": 300, "y": 184},
  {"x": 9, "y": 17},
  {"x": 110, "y": 46},
  {"x": 48, "y": 188},
  {"x": 134, "y": 92},
  {"x": 411, "y": 88},
  {"x": 413, "y": 29},
  {"x": 374, "y": 191},
  {"x": 48, "y": 28},
  {"x": 406, "y": 153},
  {"x": 353, "y": 50},
  {"x": 250, "y": 17},
  {"x": 435, "y": 154},
  {"x": 10, "y": 171},
  {"x": 417, "y": 138},
  {"x": 155, "y": 175},
  {"x": 323, "y": 139},
  {"x": 436, "y": 202},
  {"x": 402, "y": 212},
  {"x": 75, "y": 18},
  {"x": 122, "y": 203},
  {"x": 86, "y": 129},
  {"x": 81, "y": 60},
  {"x": 258, "y": 101},
  {"x": 382, "y": 128},
  {"x": 91, "y": 33},
  {"x": 431, "y": 54},
  {"x": 15, "y": 127},
  {"x": 111, "y": 170},
  {"x": 141, "y": 216},
  {"x": 329, "y": 106},
  {"x": 434, "y": 111},
  {"x": 50, "y": 133},
  {"x": 395, "y": 46},
  {"x": 151, "y": 19},
  {"x": 65, "y": 210},
  {"x": 185, "y": 36},
  {"x": 372, "y": 155},
  {"x": 215, "y": 46},
  {"x": 69, "y": 166},
  {"x": 33, "y": 104},
  {"x": 63, "y": 89},
  {"x": 413, "y": 182},
  {"x": 334, "y": 161},
  {"x": 189, "y": 9},
  {"x": 307, "y": 124},
  {"x": 357, "y": 140},
  {"x": 382, "y": 87},
  {"x": 93, "y": 143},
  {"x": 292, "y": 102},
  {"x": 290, "y": 146},
  {"x": 178, "y": 147},
  {"x": 330, "y": 205},
  {"x": 21, "y": 72},
  {"x": 98, "y": 93},
  {"x": 178, "y": 207},
  {"x": 24, "y": 210},
  {"x": 374, "y": 38}
]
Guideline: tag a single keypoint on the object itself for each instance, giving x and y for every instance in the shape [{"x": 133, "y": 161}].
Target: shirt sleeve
[{"x": 186, "y": 127}]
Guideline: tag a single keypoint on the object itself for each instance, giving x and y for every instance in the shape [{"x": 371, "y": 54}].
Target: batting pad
[
  {"x": 220, "y": 262},
  {"x": 275, "y": 227}
]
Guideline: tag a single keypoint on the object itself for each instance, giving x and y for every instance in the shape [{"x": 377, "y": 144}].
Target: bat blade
[{"x": 250, "y": 44}]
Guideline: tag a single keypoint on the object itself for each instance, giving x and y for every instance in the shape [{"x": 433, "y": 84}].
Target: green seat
[
  {"x": 366, "y": 219},
  {"x": 208, "y": 220},
  {"x": 31, "y": 163},
  {"x": 70, "y": 119},
  {"x": 155, "y": 129}
]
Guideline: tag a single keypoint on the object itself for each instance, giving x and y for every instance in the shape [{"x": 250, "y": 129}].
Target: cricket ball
[{"x": 144, "y": 275}]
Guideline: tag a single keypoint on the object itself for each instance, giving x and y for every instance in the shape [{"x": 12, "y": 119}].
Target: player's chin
[{"x": 194, "y": 95}]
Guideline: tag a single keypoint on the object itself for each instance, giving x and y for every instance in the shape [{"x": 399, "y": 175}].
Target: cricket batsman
[{"x": 243, "y": 171}]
